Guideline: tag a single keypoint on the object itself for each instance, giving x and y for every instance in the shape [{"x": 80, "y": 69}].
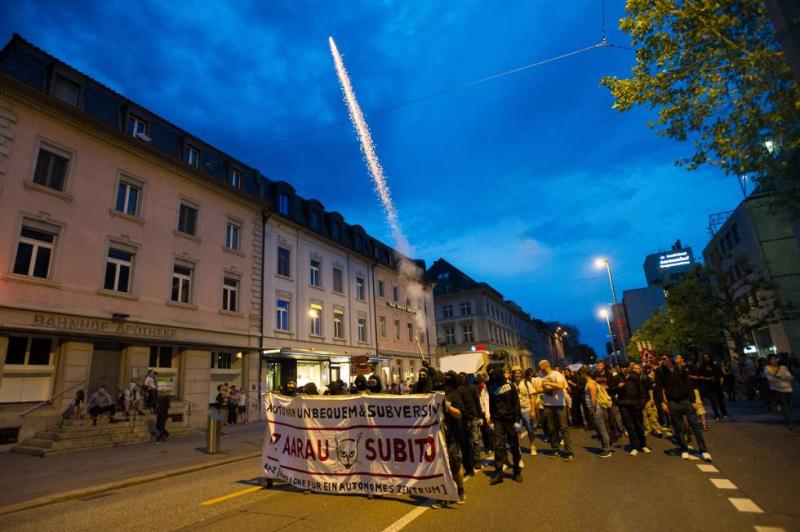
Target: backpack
[{"x": 603, "y": 399}]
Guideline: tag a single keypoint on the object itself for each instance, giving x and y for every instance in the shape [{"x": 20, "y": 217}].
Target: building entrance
[{"x": 105, "y": 370}]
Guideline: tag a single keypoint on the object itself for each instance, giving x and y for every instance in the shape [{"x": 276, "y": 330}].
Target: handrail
[{"x": 50, "y": 401}]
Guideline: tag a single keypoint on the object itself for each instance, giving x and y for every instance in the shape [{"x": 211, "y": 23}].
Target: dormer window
[
  {"x": 66, "y": 90},
  {"x": 336, "y": 230},
  {"x": 191, "y": 155},
  {"x": 283, "y": 204},
  {"x": 313, "y": 220},
  {"x": 138, "y": 127},
  {"x": 236, "y": 179}
]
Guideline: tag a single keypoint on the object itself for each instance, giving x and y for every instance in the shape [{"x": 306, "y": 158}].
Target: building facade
[
  {"x": 759, "y": 239},
  {"x": 128, "y": 245},
  {"x": 472, "y": 315}
]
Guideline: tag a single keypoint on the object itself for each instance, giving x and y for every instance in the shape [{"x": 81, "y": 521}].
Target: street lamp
[
  {"x": 604, "y": 314},
  {"x": 599, "y": 263}
]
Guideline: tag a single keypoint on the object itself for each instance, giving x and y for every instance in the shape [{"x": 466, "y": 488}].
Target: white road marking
[
  {"x": 413, "y": 514},
  {"x": 707, "y": 468},
  {"x": 745, "y": 505},
  {"x": 723, "y": 484},
  {"x": 769, "y": 529}
]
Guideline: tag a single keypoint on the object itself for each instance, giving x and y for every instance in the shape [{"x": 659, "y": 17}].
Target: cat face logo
[{"x": 347, "y": 451}]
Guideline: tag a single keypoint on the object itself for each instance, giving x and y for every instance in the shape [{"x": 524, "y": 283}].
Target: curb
[{"x": 133, "y": 481}]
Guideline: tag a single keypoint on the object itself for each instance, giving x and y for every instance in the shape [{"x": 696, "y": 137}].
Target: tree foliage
[{"x": 715, "y": 72}]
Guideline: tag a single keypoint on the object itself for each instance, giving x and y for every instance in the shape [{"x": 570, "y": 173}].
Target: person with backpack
[{"x": 598, "y": 402}]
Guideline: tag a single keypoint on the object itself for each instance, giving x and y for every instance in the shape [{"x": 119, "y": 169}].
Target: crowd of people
[
  {"x": 231, "y": 404},
  {"x": 487, "y": 414}
]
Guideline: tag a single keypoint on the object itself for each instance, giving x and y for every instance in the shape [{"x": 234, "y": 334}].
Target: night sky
[{"x": 520, "y": 181}]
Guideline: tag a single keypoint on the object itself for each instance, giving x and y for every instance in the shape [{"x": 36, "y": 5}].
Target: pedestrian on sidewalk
[
  {"x": 598, "y": 403},
  {"x": 505, "y": 414},
  {"x": 162, "y": 413},
  {"x": 554, "y": 386},
  {"x": 780, "y": 385},
  {"x": 677, "y": 396},
  {"x": 243, "y": 407},
  {"x": 632, "y": 398}
]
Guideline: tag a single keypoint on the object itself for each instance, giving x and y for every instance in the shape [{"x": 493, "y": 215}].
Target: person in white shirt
[
  {"x": 780, "y": 386},
  {"x": 554, "y": 386},
  {"x": 527, "y": 404},
  {"x": 243, "y": 407}
]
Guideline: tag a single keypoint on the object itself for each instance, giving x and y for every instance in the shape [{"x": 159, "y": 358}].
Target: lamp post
[
  {"x": 603, "y": 313},
  {"x": 599, "y": 263}
]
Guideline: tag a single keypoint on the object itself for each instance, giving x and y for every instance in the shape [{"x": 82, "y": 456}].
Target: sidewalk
[{"x": 29, "y": 477}]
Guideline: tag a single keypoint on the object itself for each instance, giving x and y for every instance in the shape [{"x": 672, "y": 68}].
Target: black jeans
[
  {"x": 97, "y": 410},
  {"x": 717, "y": 397},
  {"x": 677, "y": 411},
  {"x": 467, "y": 451},
  {"x": 505, "y": 438},
  {"x": 556, "y": 417},
  {"x": 633, "y": 419}
]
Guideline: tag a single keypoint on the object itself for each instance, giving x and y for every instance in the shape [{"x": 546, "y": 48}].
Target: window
[
  {"x": 128, "y": 193},
  {"x": 282, "y": 315},
  {"x": 181, "y": 283},
  {"x": 284, "y": 255},
  {"x": 232, "y": 230},
  {"x": 382, "y": 325},
  {"x": 466, "y": 309},
  {"x": 313, "y": 220},
  {"x": 66, "y": 90},
  {"x": 410, "y": 332},
  {"x": 360, "y": 292},
  {"x": 230, "y": 294},
  {"x": 191, "y": 155},
  {"x": 34, "y": 251},
  {"x": 137, "y": 127},
  {"x": 52, "y": 165},
  {"x": 381, "y": 289},
  {"x": 443, "y": 276},
  {"x": 236, "y": 179},
  {"x": 447, "y": 311},
  {"x": 395, "y": 294},
  {"x": 187, "y": 219},
  {"x": 397, "y": 330},
  {"x": 313, "y": 273},
  {"x": 283, "y": 204},
  {"x": 450, "y": 335},
  {"x": 221, "y": 360},
  {"x": 315, "y": 317},
  {"x": 468, "y": 336},
  {"x": 160, "y": 356},
  {"x": 118, "y": 270},
  {"x": 362, "y": 330},
  {"x": 338, "y": 285},
  {"x": 26, "y": 351},
  {"x": 336, "y": 230},
  {"x": 338, "y": 324}
]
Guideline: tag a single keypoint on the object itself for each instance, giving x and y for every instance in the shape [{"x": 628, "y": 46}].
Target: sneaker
[
  {"x": 498, "y": 479},
  {"x": 521, "y": 464},
  {"x": 569, "y": 458},
  {"x": 604, "y": 454},
  {"x": 646, "y": 450},
  {"x": 685, "y": 455},
  {"x": 706, "y": 457},
  {"x": 634, "y": 452},
  {"x": 506, "y": 468},
  {"x": 462, "y": 498},
  {"x": 533, "y": 451}
]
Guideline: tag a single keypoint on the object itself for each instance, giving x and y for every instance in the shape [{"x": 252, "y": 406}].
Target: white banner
[{"x": 367, "y": 444}]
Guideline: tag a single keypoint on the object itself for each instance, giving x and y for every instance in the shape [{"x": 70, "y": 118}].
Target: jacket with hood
[
  {"x": 503, "y": 400},
  {"x": 633, "y": 391}
]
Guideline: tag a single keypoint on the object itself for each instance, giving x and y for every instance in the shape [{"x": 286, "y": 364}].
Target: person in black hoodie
[
  {"x": 374, "y": 384},
  {"x": 631, "y": 398},
  {"x": 425, "y": 378},
  {"x": 505, "y": 414},
  {"x": 469, "y": 416},
  {"x": 453, "y": 427},
  {"x": 359, "y": 385}
]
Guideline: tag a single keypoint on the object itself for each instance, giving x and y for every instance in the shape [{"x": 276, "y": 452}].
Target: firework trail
[{"x": 368, "y": 151}]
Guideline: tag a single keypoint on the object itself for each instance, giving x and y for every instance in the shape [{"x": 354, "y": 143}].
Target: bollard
[{"x": 214, "y": 432}]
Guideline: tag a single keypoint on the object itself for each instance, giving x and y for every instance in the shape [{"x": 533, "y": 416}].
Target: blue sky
[{"x": 519, "y": 181}]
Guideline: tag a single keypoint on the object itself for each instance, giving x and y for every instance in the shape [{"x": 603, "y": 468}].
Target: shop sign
[
  {"x": 98, "y": 326},
  {"x": 362, "y": 444},
  {"x": 400, "y": 306}
]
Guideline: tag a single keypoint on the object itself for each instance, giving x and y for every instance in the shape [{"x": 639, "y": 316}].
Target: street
[{"x": 658, "y": 491}]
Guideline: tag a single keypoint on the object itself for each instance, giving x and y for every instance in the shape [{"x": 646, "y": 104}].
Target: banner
[{"x": 364, "y": 444}]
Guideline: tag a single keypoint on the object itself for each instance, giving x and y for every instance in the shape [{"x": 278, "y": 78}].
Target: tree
[{"x": 715, "y": 72}]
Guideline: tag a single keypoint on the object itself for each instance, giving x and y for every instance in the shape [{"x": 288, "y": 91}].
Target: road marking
[
  {"x": 413, "y": 514},
  {"x": 769, "y": 529},
  {"x": 231, "y": 495},
  {"x": 707, "y": 468},
  {"x": 723, "y": 484},
  {"x": 745, "y": 505}
]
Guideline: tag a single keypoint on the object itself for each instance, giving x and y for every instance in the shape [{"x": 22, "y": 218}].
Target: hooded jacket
[
  {"x": 503, "y": 399},
  {"x": 632, "y": 392}
]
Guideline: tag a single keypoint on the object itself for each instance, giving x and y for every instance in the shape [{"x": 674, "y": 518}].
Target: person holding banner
[
  {"x": 505, "y": 414},
  {"x": 453, "y": 428}
]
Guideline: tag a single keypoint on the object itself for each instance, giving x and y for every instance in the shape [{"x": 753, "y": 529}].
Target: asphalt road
[{"x": 647, "y": 492}]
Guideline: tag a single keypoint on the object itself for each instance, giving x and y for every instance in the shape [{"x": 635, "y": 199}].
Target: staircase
[{"x": 73, "y": 435}]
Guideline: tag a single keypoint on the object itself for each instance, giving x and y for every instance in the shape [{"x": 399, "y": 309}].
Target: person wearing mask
[
  {"x": 599, "y": 411},
  {"x": 487, "y": 434},
  {"x": 374, "y": 384},
  {"x": 425, "y": 376},
  {"x": 631, "y": 400},
  {"x": 677, "y": 396},
  {"x": 527, "y": 402},
  {"x": 505, "y": 413},
  {"x": 780, "y": 386},
  {"x": 472, "y": 417},
  {"x": 453, "y": 428},
  {"x": 554, "y": 386},
  {"x": 291, "y": 388}
]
